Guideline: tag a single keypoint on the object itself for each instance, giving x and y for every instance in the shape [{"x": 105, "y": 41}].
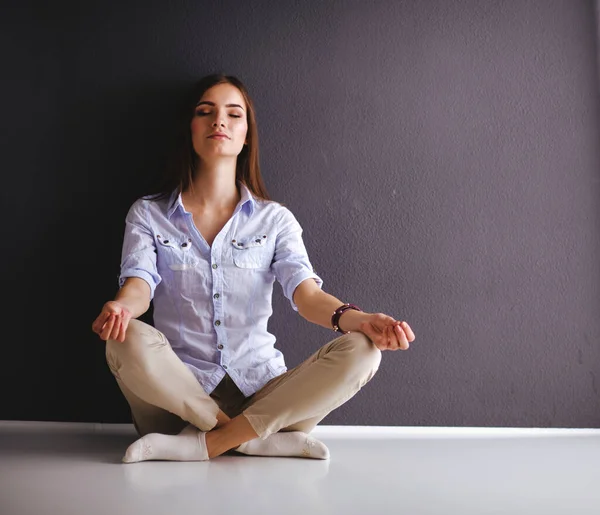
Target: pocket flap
[
  {"x": 166, "y": 241},
  {"x": 249, "y": 242}
]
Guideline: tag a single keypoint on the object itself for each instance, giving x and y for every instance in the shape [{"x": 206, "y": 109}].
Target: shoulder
[
  {"x": 145, "y": 208},
  {"x": 279, "y": 217},
  {"x": 274, "y": 211}
]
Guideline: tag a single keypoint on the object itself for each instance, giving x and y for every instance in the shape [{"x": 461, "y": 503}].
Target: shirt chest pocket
[
  {"x": 175, "y": 254},
  {"x": 181, "y": 267},
  {"x": 251, "y": 252}
]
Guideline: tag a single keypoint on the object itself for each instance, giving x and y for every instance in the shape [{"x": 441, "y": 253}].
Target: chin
[{"x": 211, "y": 156}]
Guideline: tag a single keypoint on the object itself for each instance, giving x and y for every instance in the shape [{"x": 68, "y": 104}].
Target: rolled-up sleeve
[
  {"x": 138, "y": 258},
  {"x": 290, "y": 264}
]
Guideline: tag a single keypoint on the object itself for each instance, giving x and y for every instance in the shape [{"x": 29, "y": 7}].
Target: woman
[{"x": 207, "y": 378}]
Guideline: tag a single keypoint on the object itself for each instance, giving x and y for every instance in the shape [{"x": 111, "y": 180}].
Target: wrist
[
  {"x": 351, "y": 320},
  {"x": 131, "y": 306}
]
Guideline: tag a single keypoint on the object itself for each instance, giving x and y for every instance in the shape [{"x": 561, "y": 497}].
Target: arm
[
  {"x": 134, "y": 296},
  {"x": 138, "y": 278},
  {"x": 317, "y": 306},
  {"x": 302, "y": 287}
]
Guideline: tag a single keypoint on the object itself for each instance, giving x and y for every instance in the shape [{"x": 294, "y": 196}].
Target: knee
[
  {"x": 138, "y": 338},
  {"x": 360, "y": 352},
  {"x": 133, "y": 330}
]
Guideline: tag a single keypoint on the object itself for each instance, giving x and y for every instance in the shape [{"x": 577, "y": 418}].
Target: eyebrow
[{"x": 213, "y": 104}]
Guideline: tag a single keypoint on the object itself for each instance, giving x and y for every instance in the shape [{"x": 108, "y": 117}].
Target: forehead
[{"x": 224, "y": 94}]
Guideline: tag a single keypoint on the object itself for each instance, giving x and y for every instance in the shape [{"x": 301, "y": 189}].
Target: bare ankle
[
  {"x": 218, "y": 442},
  {"x": 222, "y": 419},
  {"x": 212, "y": 443},
  {"x": 229, "y": 436}
]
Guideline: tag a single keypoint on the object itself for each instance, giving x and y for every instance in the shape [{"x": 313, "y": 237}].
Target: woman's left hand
[{"x": 387, "y": 333}]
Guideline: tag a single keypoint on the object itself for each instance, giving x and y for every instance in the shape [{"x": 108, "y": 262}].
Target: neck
[{"x": 214, "y": 188}]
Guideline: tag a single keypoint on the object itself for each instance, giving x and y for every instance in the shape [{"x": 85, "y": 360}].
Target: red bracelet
[{"x": 335, "y": 318}]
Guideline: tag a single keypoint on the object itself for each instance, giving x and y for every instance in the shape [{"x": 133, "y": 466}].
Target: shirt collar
[
  {"x": 247, "y": 201},
  {"x": 246, "y": 198}
]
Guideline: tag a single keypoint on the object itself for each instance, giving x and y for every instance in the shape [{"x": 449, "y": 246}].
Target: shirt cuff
[
  {"x": 142, "y": 274},
  {"x": 295, "y": 281}
]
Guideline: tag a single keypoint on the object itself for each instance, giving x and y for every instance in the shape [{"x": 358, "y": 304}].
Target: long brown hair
[{"x": 184, "y": 163}]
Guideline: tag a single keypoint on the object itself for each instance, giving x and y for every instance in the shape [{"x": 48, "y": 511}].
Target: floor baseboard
[{"x": 332, "y": 431}]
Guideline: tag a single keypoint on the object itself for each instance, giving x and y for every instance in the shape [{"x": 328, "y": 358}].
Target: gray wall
[{"x": 441, "y": 155}]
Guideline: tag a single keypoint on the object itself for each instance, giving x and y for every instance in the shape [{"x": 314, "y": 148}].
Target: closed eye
[{"x": 205, "y": 113}]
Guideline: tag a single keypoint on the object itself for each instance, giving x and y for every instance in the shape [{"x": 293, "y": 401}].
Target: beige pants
[{"x": 164, "y": 395}]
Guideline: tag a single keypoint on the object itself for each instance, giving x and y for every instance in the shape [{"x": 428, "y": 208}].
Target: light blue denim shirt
[{"x": 213, "y": 303}]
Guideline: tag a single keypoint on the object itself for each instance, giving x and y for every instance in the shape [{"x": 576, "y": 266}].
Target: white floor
[{"x": 67, "y": 469}]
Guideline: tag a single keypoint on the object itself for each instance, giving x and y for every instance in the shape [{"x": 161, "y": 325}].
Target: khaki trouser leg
[
  {"x": 148, "y": 418},
  {"x": 300, "y": 398},
  {"x": 162, "y": 392}
]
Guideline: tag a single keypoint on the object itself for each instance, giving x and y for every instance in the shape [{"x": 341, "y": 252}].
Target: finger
[
  {"x": 115, "y": 327},
  {"x": 402, "y": 340},
  {"x": 384, "y": 339},
  {"x": 106, "y": 314},
  {"x": 108, "y": 326},
  {"x": 389, "y": 338},
  {"x": 100, "y": 321},
  {"x": 410, "y": 336},
  {"x": 121, "y": 334},
  {"x": 392, "y": 340},
  {"x": 375, "y": 336},
  {"x": 114, "y": 334},
  {"x": 124, "y": 324}
]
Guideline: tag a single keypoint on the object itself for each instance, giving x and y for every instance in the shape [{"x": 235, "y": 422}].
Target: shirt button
[
  {"x": 216, "y": 295},
  {"x": 220, "y": 346},
  {"x": 215, "y": 266},
  {"x": 225, "y": 367},
  {"x": 218, "y": 322}
]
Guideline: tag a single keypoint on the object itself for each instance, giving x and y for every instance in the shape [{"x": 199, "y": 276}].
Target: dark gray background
[{"x": 441, "y": 155}]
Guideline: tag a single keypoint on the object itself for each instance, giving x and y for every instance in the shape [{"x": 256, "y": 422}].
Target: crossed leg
[{"x": 165, "y": 396}]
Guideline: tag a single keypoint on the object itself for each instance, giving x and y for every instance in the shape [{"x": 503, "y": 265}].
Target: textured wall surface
[{"x": 442, "y": 156}]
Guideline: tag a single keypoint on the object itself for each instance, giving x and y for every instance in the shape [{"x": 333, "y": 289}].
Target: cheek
[
  {"x": 195, "y": 126},
  {"x": 241, "y": 130}
]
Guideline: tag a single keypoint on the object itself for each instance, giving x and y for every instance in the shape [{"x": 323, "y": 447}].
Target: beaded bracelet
[{"x": 335, "y": 318}]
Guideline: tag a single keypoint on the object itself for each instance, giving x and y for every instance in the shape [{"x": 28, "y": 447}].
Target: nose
[{"x": 218, "y": 122}]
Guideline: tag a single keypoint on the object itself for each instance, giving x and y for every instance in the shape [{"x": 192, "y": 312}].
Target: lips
[{"x": 218, "y": 135}]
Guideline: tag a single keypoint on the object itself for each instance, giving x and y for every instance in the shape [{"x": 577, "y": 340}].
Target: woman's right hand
[{"x": 112, "y": 322}]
